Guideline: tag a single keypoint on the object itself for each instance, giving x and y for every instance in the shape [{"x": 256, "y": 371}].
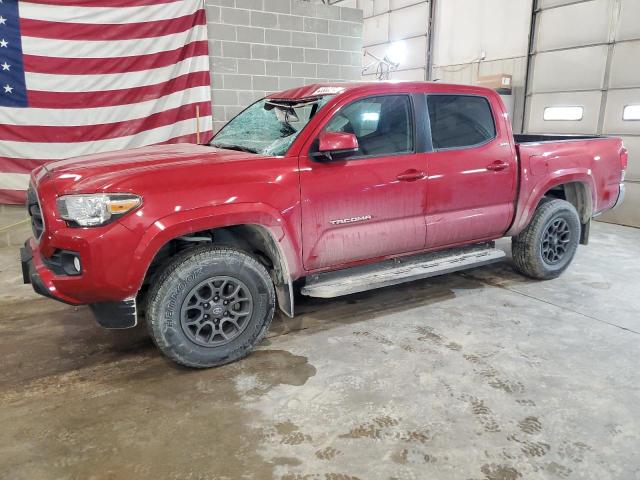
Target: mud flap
[
  {"x": 584, "y": 232},
  {"x": 116, "y": 314}
]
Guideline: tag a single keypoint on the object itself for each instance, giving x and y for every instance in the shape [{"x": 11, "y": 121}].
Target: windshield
[{"x": 268, "y": 127}]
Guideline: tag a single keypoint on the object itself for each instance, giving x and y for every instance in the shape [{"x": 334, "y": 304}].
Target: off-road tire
[
  {"x": 526, "y": 247},
  {"x": 170, "y": 289}
]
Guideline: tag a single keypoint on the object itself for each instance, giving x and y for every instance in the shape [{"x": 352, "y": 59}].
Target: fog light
[{"x": 76, "y": 263}]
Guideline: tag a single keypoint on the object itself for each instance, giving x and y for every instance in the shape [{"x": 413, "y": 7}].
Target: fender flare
[
  {"x": 218, "y": 216},
  {"x": 527, "y": 206}
]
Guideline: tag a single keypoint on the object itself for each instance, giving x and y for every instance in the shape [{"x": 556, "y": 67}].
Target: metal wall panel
[
  {"x": 409, "y": 22},
  {"x": 465, "y": 29},
  {"x": 413, "y": 75},
  {"x": 380, "y": 6},
  {"x": 616, "y": 101},
  {"x": 633, "y": 145},
  {"x": 589, "y": 123},
  {"x": 396, "y": 4},
  {"x": 365, "y": 5},
  {"x": 554, "y": 3},
  {"x": 575, "y": 25},
  {"x": 625, "y": 68},
  {"x": 566, "y": 70},
  {"x": 629, "y": 26},
  {"x": 629, "y": 212},
  {"x": 375, "y": 30}
]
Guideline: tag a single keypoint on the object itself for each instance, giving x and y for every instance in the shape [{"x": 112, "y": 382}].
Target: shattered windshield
[{"x": 268, "y": 127}]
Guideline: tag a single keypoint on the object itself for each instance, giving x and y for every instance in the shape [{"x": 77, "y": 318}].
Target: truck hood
[{"x": 113, "y": 171}]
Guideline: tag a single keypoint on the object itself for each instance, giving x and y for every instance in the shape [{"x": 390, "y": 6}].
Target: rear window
[{"x": 459, "y": 121}]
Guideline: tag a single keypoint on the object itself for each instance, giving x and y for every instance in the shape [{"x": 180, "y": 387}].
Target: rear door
[
  {"x": 370, "y": 204},
  {"x": 472, "y": 170}
]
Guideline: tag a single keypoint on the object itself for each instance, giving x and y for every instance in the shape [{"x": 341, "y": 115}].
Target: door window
[
  {"x": 383, "y": 125},
  {"x": 459, "y": 121}
]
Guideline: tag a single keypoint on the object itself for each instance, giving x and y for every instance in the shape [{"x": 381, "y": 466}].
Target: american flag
[{"x": 90, "y": 76}]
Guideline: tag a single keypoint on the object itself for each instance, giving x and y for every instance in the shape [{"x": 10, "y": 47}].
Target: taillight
[{"x": 624, "y": 158}]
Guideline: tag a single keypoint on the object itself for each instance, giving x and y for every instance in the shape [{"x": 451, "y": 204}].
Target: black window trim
[
  {"x": 412, "y": 117},
  {"x": 466, "y": 147}
]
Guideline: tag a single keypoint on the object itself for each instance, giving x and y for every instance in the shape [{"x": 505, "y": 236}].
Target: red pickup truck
[{"x": 340, "y": 187}]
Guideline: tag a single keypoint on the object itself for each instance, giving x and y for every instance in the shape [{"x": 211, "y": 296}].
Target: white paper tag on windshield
[{"x": 328, "y": 91}]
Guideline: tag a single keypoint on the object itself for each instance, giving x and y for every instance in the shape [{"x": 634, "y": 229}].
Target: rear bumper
[
  {"x": 620, "y": 198},
  {"x": 118, "y": 314}
]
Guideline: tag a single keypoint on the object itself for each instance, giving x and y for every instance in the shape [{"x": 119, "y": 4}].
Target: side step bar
[{"x": 400, "y": 270}]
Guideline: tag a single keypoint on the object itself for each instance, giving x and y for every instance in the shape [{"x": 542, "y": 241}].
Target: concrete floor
[{"x": 479, "y": 375}]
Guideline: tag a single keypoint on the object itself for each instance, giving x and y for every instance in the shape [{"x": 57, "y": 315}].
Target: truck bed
[
  {"x": 537, "y": 138},
  {"x": 589, "y": 160}
]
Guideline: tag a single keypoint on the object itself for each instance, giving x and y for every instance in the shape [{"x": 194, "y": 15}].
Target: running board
[{"x": 400, "y": 270}]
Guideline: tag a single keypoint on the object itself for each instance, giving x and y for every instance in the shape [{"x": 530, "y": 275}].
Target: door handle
[
  {"x": 497, "y": 166},
  {"x": 411, "y": 175}
]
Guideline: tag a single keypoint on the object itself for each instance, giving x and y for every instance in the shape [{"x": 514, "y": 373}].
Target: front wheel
[
  {"x": 210, "y": 306},
  {"x": 545, "y": 248}
]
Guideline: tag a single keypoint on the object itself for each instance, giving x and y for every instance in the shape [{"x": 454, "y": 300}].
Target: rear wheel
[
  {"x": 210, "y": 306},
  {"x": 547, "y": 246}
]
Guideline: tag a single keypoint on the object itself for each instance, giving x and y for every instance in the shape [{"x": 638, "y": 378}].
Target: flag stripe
[
  {"x": 126, "y": 31},
  {"x": 82, "y": 100},
  {"x": 92, "y": 66},
  {"x": 56, "y": 117},
  {"x": 46, "y": 47},
  {"x": 114, "y": 81},
  {"x": 99, "y": 3},
  {"x": 18, "y": 176},
  {"x": 13, "y": 197},
  {"x": 57, "y": 151},
  {"x": 108, "y": 15},
  {"x": 98, "y": 132},
  {"x": 191, "y": 138},
  {"x": 14, "y": 181},
  {"x": 20, "y": 165}
]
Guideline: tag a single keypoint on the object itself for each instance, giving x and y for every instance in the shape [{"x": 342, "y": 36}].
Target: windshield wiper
[{"x": 240, "y": 148}]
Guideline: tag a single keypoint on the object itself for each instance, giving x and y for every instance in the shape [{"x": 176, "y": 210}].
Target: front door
[
  {"x": 372, "y": 203},
  {"x": 472, "y": 171}
]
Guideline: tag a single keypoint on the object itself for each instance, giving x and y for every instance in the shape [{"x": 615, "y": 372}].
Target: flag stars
[
  {"x": 5, "y": 66},
  {"x": 3, "y": 43},
  {"x": 8, "y": 88},
  {"x": 3, "y": 21}
]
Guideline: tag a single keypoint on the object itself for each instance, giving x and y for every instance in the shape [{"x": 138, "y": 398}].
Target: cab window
[
  {"x": 383, "y": 125},
  {"x": 459, "y": 121}
]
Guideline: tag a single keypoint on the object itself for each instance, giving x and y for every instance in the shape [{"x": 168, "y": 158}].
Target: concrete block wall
[{"x": 261, "y": 46}]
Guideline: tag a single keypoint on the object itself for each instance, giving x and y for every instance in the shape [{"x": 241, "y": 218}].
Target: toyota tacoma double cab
[{"x": 339, "y": 188}]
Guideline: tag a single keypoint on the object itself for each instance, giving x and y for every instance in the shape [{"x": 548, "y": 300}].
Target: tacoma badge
[{"x": 342, "y": 221}]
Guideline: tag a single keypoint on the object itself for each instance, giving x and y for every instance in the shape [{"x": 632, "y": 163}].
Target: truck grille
[{"x": 33, "y": 207}]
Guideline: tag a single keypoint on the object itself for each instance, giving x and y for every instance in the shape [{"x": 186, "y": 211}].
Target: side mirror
[{"x": 334, "y": 145}]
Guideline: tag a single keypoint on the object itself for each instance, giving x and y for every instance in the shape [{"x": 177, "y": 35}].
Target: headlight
[{"x": 96, "y": 209}]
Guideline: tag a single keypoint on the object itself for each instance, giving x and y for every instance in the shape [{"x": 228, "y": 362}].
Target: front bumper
[
  {"x": 30, "y": 275},
  {"x": 109, "y": 314}
]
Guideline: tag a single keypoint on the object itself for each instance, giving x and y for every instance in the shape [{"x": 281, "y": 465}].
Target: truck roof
[{"x": 334, "y": 88}]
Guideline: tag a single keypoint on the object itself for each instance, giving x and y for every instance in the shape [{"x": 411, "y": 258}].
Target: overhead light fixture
[
  {"x": 396, "y": 53},
  {"x": 563, "y": 113},
  {"x": 631, "y": 112}
]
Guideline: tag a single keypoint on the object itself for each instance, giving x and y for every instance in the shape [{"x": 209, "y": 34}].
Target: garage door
[{"x": 584, "y": 79}]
